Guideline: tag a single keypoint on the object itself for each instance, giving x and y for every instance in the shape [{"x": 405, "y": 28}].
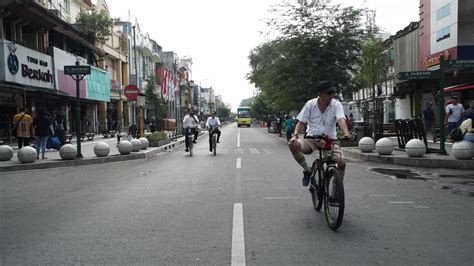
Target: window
[
  {"x": 444, "y": 11},
  {"x": 442, "y": 34}
]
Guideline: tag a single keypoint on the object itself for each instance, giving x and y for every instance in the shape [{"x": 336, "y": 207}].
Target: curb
[
  {"x": 144, "y": 154},
  {"x": 410, "y": 161}
]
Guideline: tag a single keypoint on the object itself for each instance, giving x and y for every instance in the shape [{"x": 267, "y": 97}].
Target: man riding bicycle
[
  {"x": 213, "y": 122},
  {"x": 190, "y": 121},
  {"x": 320, "y": 114}
]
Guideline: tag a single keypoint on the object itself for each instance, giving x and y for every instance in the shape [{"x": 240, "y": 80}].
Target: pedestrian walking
[
  {"x": 289, "y": 127},
  {"x": 429, "y": 120},
  {"x": 41, "y": 125},
  {"x": 22, "y": 123}
]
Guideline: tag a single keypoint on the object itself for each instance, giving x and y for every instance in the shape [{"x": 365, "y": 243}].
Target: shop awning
[{"x": 460, "y": 87}]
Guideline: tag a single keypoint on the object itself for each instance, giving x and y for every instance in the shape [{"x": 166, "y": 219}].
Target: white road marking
[
  {"x": 401, "y": 202},
  {"x": 238, "y": 241},
  {"x": 254, "y": 150},
  {"x": 267, "y": 151},
  {"x": 238, "y": 164},
  {"x": 238, "y": 137},
  {"x": 282, "y": 198}
]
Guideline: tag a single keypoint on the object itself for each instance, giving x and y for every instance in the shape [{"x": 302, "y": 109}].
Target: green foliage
[
  {"x": 97, "y": 25},
  {"x": 319, "y": 43},
  {"x": 157, "y": 136},
  {"x": 246, "y": 102},
  {"x": 373, "y": 65},
  {"x": 159, "y": 107},
  {"x": 223, "y": 111}
]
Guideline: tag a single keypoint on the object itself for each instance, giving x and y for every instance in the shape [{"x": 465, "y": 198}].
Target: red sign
[{"x": 131, "y": 92}]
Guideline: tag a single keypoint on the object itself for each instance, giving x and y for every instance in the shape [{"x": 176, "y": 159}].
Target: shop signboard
[{"x": 25, "y": 66}]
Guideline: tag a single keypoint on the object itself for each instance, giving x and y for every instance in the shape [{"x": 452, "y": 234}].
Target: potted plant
[{"x": 157, "y": 139}]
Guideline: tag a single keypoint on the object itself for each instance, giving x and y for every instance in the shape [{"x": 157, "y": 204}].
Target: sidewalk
[
  {"x": 89, "y": 157},
  {"x": 431, "y": 160}
]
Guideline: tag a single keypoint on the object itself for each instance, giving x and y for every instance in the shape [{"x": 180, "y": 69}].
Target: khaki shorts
[{"x": 308, "y": 146}]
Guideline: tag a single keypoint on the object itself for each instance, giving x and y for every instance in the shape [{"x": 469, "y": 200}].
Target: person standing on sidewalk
[
  {"x": 22, "y": 122},
  {"x": 41, "y": 124},
  {"x": 429, "y": 120},
  {"x": 454, "y": 112},
  {"x": 60, "y": 129}
]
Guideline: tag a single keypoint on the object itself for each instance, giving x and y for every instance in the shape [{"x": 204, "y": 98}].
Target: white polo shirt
[
  {"x": 213, "y": 122},
  {"x": 319, "y": 123},
  {"x": 189, "y": 121}
]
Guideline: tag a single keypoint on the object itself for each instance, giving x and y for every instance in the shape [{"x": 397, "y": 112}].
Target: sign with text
[
  {"x": 415, "y": 75},
  {"x": 460, "y": 64},
  {"x": 77, "y": 70}
]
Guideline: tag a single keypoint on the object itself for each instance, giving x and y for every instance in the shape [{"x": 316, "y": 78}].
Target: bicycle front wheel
[
  {"x": 191, "y": 145},
  {"x": 333, "y": 199}
]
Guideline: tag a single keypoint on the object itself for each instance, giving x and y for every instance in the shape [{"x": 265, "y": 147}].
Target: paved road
[{"x": 244, "y": 205}]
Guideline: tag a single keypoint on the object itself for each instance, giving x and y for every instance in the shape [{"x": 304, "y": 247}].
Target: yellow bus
[{"x": 244, "y": 116}]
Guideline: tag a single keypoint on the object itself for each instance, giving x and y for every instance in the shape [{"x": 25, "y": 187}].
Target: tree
[
  {"x": 97, "y": 25},
  {"x": 322, "y": 42},
  {"x": 159, "y": 107},
  {"x": 223, "y": 111},
  {"x": 372, "y": 70}
]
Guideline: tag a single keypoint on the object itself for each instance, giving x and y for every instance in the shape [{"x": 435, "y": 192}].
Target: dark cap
[{"x": 325, "y": 86}]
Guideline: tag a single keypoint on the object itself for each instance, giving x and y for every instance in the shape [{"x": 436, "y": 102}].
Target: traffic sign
[
  {"x": 131, "y": 92},
  {"x": 461, "y": 64},
  {"x": 77, "y": 70},
  {"x": 414, "y": 75}
]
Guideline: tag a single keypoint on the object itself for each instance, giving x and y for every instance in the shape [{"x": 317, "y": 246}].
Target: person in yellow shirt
[{"x": 22, "y": 122}]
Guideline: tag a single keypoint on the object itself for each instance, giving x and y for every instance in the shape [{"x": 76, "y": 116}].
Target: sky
[{"x": 219, "y": 34}]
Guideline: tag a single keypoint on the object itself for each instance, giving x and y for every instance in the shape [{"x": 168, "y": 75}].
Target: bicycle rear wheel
[
  {"x": 214, "y": 145},
  {"x": 191, "y": 145},
  {"x": 316, "y": 190},
  {"x": 333, "y": 199}
]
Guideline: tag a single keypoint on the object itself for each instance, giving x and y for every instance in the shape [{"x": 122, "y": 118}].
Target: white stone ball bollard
[
  {"x": 136, "y": 145},
  {"x": 68, "y": 152},
  {"x": 27, "y": 155},
  {"x": 101, "y": 149},
  {"x": 366, "y": 144},
  {"x": 125, "y": 147},
  {"x": 462, "y": 150},
  {"x": 384, "y": 146},
  {"x": 415, "y": 148},
  {"x": 145, "y": 143},
  {"x": 6, "y": 153}
]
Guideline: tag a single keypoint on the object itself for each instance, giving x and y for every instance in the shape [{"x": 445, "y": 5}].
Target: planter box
[{"x": 159, "y": 143}]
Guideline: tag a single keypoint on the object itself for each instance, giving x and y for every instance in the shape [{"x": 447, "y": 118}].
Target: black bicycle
[
  {"x": 213, "y": 131},
  {"x": 190, "y": 138},
  {"x": 327, "y": 186}
]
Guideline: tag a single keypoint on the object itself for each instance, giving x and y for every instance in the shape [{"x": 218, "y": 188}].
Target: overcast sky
[{"x": 219, "y": 34}]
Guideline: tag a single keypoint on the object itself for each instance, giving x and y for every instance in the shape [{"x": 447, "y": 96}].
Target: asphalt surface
[{"x": 181, "y": 210}]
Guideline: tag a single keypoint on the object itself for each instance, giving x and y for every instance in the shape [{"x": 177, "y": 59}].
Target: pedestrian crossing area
[{"x": 240, "y": 151}]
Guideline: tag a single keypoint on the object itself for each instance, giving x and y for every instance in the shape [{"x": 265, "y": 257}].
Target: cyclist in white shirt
[
  {"x": 213, "y": 122},
  {"x": 190, "y": 121},
  {"x": 321, "y": 115}
]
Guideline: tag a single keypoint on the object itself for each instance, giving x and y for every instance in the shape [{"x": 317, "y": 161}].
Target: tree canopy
[
  {"x": 97, "y": 25},
  {"x": 311, "y": 44}
]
